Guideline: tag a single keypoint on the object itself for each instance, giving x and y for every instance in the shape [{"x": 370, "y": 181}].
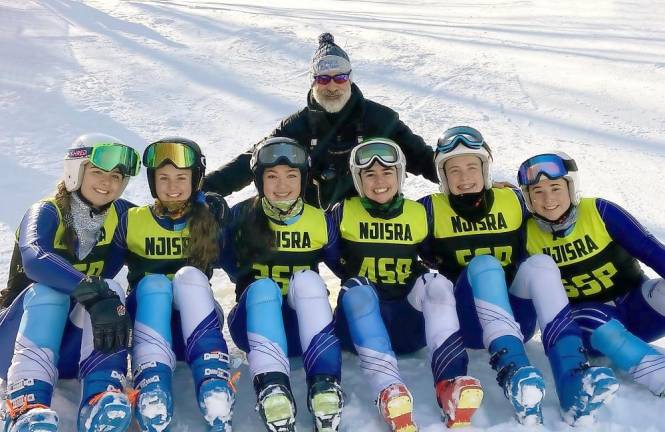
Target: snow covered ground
[{"x": 584, "y": 77}]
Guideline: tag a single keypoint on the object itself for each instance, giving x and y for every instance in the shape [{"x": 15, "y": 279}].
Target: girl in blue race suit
[
  {"x": 390, "y": 302},
  {"x": 276, "y": 242},
  {"x": 171, "y": 248},
  {"x": 597, "y": 247},
  {"x": 64, "y": 315},
  {"x": 477, "y": 240}
]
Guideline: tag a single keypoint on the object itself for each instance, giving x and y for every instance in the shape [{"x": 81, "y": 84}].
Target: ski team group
[{"x": 475, "y": 266}]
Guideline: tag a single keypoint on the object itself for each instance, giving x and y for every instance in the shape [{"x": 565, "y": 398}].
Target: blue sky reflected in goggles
[
  {"x": 464, "y": 135},
  {"x": 548, "y": 165}
]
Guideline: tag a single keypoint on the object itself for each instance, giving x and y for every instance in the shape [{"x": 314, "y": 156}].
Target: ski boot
[
  {"x": 35, "y": 420},
  {"x": 104, "y": 406},
  {"x": 522, "y": 383},
  {"x": 275, "y": 402},
  {"x": 459, "y": 398},
  {"x": 395, "y": 405},
  {"x": 325, "y": 402},
  {"x": 216, "y": 400},
  {"x": 216, "y": 392},
  {"x": 581, "y": 389},
  {"x": 28, "y": 407},
  {"x": 154, "y": 406}
]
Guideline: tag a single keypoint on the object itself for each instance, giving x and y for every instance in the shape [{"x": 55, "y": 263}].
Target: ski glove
[
  {"x": 111, "y": 325},
  {"x": 217, "y": 206}
]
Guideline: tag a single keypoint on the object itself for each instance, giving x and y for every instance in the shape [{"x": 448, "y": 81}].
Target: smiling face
[
  {"x": 173, "y": 184},
  {"x": 550, "y": 199},
  {"x": 332, "y": 96},
  {"x": 281, "y": 183},
  {"x": 100, "y": 187},
  {"x": 379, "y": 183},
  {"x": 464, "y": 174}
]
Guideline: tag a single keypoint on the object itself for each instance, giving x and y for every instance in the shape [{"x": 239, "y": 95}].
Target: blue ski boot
[
  {"x": 215, "y": 390},
  {"x": 28, "y": 407},
  {"x": 104, "y": 406},
  {"x": 582, "y": 389},
  {"x": 275, "y": 402},
  {"x": 154, "y": 407},
  {"x": 522, "y": 383},
  {"x": 35, "y": 420}
]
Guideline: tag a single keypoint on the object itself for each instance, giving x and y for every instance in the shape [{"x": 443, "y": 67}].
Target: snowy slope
[{"x": 584, "y": 77}]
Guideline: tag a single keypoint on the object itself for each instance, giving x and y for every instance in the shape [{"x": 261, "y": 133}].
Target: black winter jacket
[{"x": 330, "y": 138}]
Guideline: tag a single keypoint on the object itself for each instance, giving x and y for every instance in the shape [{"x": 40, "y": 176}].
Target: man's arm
[
  {"x": 231, "y": 177},
  {"x": 383, "y": 121},
  {"x": 237, "y": 174},
  {"x": 419, "y": 156}
]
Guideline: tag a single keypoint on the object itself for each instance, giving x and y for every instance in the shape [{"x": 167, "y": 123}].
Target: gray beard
[{"x": 331, "y": 106}]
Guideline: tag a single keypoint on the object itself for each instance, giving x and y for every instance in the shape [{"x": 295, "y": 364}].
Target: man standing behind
[{"x": 337, "y": 117}]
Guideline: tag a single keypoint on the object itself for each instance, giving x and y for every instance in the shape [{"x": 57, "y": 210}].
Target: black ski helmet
[
  {"x": 280, "y": 151},
  {"x": 198, "y": 167}
]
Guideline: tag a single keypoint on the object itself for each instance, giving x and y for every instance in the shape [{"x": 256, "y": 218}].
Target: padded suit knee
[
  {"x": 361, "y": 308},
  {"x": 264, "y": 311}
]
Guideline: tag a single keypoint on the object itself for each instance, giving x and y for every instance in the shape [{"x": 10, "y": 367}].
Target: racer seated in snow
[
  {"x": 476, "y": 240},
  {"x": 390, "y": 303},
  {"x": 276, "y": 242},
  {"x": 170, "y": 248},
  {"x": 336, "y": 118},
  {"x": 597, "y": 246},
  {"x": 65, "y": 317}
]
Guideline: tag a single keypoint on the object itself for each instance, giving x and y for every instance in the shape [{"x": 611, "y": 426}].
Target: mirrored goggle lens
[
  {"x": 180, "y": 155},
  {"x": 469, "y": 137},
  {"x": 273, "y": 153},
  {"x": 325, "y": 79},
  {"x": 532, "y": 169},
  {"x": 116, "y": 156},
  {"x": 387, "y": 154}
]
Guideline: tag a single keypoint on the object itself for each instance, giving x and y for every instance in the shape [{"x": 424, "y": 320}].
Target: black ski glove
[
  {"x": 111, "y": 325},
  {"x": 217, "y": 206}
]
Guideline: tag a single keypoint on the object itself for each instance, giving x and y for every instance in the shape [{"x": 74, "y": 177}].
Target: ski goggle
[
  {"x": 464, "y": 135},
  {"x": 110, "y": 156},
  {"x": 339, "y": 78},
  {"x": 287, "y": 153},
  {"x": 367, "y": 154},
  {"x": 550, "y": 165},
  {"x": 180, "y": 155}
]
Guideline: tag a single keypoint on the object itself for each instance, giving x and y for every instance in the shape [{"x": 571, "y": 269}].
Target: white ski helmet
[
  {"x": 554, "y": 166},
  {"x": 78, "y": 155},
  {"x": 381, "y": 150},
  {"x": 459, "y": 141}
]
